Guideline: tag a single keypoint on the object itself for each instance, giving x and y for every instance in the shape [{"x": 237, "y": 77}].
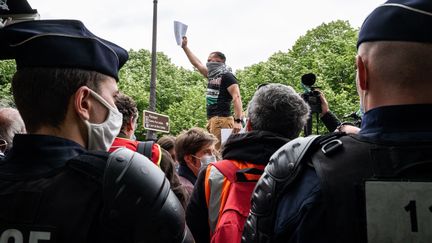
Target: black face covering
[{"x": 215, "y": 69}]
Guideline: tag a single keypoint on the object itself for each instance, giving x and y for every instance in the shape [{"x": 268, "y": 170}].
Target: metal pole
[{"x": 152, "y": 103}]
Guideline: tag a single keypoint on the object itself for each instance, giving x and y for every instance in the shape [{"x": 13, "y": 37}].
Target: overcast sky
[{"x": 247, "y": 31}]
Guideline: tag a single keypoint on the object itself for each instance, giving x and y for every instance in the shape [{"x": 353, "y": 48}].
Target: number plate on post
[{"x": 398, "y": 211}]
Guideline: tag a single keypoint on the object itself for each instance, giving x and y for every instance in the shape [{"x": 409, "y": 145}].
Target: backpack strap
[
  {"x": 233, "y": 173},
  {"x": 284, "y": 166},
  {"x": 92, "y": 164},
  {"x": 227, "y": 168},
  {"x": 145, "y": 148}
]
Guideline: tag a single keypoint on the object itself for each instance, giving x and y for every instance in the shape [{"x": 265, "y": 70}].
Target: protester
[
  {"x": 331, "y": 122},
  {"x": 54, "y": 185},
  {"x": 354, "y": 188},
  {"x": 167, "y": 142},
  {"x": 276, "y": 115},
  {"x": 125, "y": 139},
  {"x": 127, "y": 106},
  {"x": 10, "y": 124},
  {"x": 167, "y": 165},
  {"x": 222, "y": 89},
  {"x": 193, "y": 147}
]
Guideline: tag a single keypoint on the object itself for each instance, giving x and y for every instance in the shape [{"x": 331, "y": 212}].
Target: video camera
[{"x": 311, "y": 96}]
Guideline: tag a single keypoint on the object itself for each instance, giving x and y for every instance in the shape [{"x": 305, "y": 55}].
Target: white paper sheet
[{"x": 179, "y": 31}]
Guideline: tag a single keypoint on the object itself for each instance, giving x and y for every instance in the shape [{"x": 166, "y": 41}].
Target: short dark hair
[
  {"x": 192, "y": 141},
  {"x": 220, "y": 55},
  {"x": 42, "y": 94},
  {"x": 128, "y": 107}
]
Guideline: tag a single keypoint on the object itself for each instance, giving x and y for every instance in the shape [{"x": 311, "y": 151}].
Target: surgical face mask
[
  {"x": 101, "y": 136},
  {"x": 206, "y": 159}
]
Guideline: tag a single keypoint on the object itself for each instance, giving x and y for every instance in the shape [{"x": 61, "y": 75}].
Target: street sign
[{"x": 156, "y": 122}]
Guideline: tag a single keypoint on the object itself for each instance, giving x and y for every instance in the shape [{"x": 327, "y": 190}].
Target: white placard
[
  {"x": 179, "y": 31},
  {"x": 225, "y": 133}
]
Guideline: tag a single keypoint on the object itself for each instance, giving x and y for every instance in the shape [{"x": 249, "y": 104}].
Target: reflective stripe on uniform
[{"x": 215, "y": 182}]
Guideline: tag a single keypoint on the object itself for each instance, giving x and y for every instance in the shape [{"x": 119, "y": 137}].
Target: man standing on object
[{"x": 222, "y": 89}]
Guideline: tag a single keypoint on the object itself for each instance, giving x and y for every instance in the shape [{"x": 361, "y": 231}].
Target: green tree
[
  {"x": 7, "y": 70},
  {"x": 178, "y": 91},
  {"x": 328, "y": 51}
]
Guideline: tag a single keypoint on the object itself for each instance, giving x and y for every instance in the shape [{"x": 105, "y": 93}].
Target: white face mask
[
  {"x": 101, "y": 136},
  {"x": 207, "y": 159}
]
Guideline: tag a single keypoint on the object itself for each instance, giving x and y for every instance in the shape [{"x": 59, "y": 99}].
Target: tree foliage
[
  {"x": 328, "y": 51},
  {"x": 7, "y": 69},
  {"x": 179, "y": 92}
]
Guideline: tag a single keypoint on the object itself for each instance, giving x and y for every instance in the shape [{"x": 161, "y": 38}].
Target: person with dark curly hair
[{"x": 159, "y": 156}]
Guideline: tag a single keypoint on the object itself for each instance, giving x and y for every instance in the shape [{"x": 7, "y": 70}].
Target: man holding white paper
[{"x": 222, "y": 89}]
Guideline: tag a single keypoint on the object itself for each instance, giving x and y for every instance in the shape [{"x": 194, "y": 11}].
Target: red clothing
[{"x": 132, "y": 145}]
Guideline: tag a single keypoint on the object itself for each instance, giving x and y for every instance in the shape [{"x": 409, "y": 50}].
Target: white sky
[{"x": 247, "y": 31}]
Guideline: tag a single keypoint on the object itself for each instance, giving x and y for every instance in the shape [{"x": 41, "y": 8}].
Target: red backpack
[{"x": 228, "y": 199}]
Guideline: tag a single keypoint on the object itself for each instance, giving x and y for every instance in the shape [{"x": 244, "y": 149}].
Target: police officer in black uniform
[
  {"x": 374, "y": 186},
  {"x": 58, "y": 184}
]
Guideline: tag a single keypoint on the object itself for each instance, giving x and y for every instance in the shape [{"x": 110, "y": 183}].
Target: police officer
[
  {"x": 370, "y": 187},
  {"x": 58, "y": 184}
]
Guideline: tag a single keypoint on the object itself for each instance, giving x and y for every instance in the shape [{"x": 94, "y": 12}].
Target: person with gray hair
[
  {"x": 11, "y": 123},
  {"x": 276, "y": 114}
]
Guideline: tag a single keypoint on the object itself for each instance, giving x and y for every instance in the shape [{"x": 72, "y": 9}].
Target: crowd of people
[{"x": 73, "y": 170}]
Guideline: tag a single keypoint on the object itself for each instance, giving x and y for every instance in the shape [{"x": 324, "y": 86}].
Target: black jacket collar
[
  {"x": 254, "y": 146},
  {"x": 35, "y": 154}
]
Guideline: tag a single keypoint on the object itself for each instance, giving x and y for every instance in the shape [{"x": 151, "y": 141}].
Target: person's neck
[
  {"x": 125, "y": 134},
  {"x": 68, "y": 132}
]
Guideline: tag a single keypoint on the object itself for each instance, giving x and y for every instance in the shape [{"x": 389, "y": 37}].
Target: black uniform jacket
[{"x": 42, "y": 196}]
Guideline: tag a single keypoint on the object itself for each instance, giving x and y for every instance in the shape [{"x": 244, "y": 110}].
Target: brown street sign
[{"x": 156, "y": 122}]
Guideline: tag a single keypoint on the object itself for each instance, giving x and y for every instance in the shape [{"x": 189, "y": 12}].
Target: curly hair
[{"x": 127, "y": 106}]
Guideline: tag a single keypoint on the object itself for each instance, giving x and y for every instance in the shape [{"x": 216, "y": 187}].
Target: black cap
[
  {"x": 60, "y": 44},
  {"x": 399, "y": 20},
  {"x": 15, "y": 7}
]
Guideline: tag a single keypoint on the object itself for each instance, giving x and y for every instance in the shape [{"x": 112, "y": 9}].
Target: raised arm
[{"x": 194, "y": 59}]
